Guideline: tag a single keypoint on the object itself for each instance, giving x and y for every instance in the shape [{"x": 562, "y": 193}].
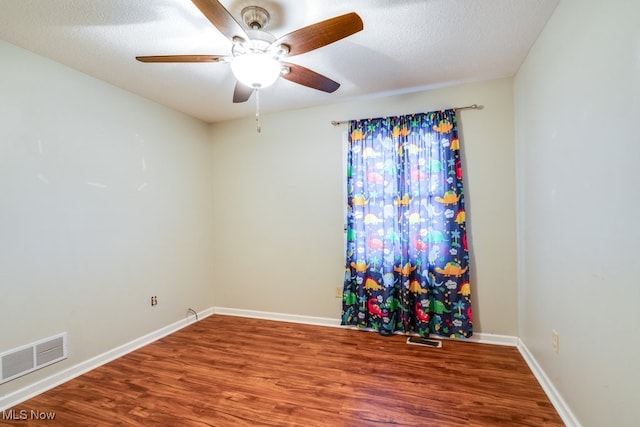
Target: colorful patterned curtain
[{"x": 407, "y": 267}]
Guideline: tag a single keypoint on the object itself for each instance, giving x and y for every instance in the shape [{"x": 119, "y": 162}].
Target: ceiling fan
[{"x": 256, "y": 58}]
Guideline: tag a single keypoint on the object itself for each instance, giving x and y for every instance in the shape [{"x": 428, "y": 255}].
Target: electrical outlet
[
  {"x": 555, "y": 341},
  {"x": 154, "y": 301},
  {"x": 338, "y": 291}
]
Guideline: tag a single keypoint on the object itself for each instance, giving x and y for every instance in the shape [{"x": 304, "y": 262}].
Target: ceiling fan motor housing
[{"x": 255, "y": 17}]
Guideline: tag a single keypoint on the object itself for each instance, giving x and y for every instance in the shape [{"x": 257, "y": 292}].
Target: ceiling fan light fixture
[
  {"x": 256, "y": 70},
  {"x": 256, "y": 54}
]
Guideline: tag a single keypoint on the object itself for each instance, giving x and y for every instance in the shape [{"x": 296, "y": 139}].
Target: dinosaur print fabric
[{"x": 407, "y": 260}]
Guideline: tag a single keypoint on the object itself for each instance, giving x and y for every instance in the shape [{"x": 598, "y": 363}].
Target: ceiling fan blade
[
  {"x": 181, "y": 58},
  {"x": 241, "y": 93},
  {"x": 305, "y": 77},
  {"x": 221, "y": 18},
  {"x": 321, "y": 33}
]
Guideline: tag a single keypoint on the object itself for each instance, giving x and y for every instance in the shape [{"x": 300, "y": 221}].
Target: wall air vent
[
  {"x": 31, "y": 357},
  {"x": 16, "y": 363}
]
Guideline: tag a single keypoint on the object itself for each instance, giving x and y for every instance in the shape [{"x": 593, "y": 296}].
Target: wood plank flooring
[{"x": 232, "y": 371}]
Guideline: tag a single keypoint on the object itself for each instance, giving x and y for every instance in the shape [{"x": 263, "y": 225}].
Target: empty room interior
[{"x": 144, "y": 196}]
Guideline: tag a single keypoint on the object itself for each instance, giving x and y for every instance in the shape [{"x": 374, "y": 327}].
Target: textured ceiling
[{"x": 406, "y": 45}]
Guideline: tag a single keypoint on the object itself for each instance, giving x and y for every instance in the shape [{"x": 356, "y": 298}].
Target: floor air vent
[
  {"x": 23, "y": 360},
  {"x": 424, "y": 342}
]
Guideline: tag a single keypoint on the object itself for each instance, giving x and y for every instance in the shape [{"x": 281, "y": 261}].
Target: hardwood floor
[{"x": 231, "y": 371}]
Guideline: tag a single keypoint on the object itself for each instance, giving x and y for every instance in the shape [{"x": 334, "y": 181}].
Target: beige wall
[
  {"x": 84, "y": 243},
  {"x": 279, "y": 203},
  {"x": 577, "y": 107}
]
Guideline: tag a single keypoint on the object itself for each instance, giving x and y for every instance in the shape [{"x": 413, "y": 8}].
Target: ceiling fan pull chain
[{"x": 258, "y": 128}]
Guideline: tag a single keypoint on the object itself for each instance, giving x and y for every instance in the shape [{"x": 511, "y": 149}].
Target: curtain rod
[{"x": 456, "y": 109}]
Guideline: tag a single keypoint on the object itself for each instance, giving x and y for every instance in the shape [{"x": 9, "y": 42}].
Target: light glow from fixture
[{"x": 256, "y": 70}]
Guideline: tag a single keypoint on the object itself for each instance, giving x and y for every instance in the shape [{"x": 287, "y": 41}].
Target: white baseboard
[
  {"x": 32, "y": 390},
  {"x": 552, "y": 393},
  {"x": 493, "y": 339},
  {"x": 328, "y": 321},
  {"x": 280, "y": 317}
]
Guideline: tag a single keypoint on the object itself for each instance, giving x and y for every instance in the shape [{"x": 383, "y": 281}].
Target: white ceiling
[{"x": 406, "y": 45}]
